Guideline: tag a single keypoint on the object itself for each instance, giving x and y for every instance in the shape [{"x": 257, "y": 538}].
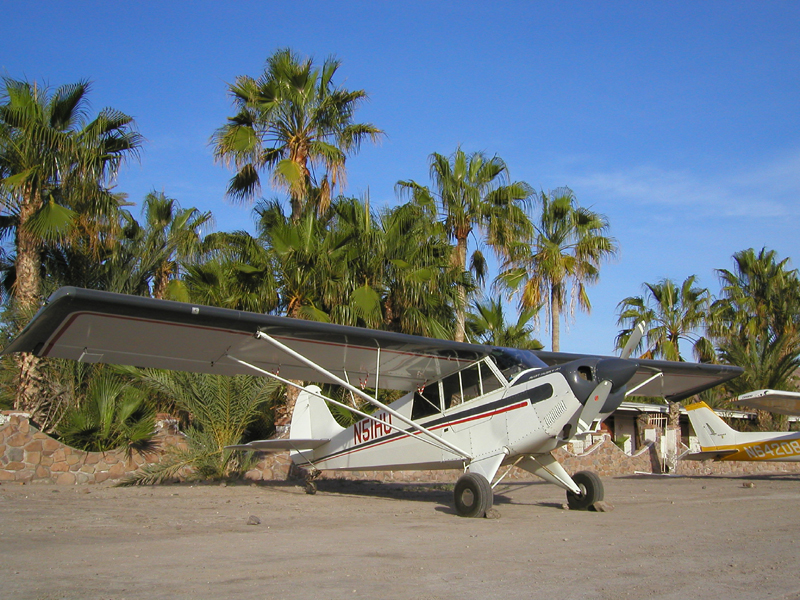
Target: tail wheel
[
  {"x": 473, "y": 495},
  {"x": 591, "y": 491}
]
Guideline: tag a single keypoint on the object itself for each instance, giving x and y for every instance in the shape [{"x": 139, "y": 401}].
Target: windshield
[{"x": 511, "y": 361}]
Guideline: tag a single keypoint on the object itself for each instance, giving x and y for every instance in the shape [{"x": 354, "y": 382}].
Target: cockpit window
[
  {"x": 426, "y": 401},
  {"x": 511, "y": 361},
  {"x": 465, "y": 385}
]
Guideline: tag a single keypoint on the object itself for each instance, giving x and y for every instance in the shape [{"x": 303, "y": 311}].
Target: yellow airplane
[{"x": 718, "y": 441}]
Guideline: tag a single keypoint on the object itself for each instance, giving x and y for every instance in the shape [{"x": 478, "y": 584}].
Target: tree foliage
[
  {"x": 294, "y": 122},
  {"x": 221, "y": 408},
  {"x": 554, "y": 267},
  {"x": 671, "y": 314}
]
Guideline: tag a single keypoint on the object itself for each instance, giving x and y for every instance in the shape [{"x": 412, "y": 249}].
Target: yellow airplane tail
[{"x": 711, "y": 431}]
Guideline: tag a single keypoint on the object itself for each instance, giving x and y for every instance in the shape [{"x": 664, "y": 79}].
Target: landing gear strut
[
  {"x": 591, "y": 491},
  {"x": 473, "y": 495}
]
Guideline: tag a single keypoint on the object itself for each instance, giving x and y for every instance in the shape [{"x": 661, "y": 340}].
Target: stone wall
[
  {"x": 27, "y": 455},
  {"x": 604, "y": 458}
]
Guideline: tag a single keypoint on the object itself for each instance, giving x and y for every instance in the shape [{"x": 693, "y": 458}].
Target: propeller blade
[
  {"x": 593, "y": 406},
  {"x": 633, "y": 341}
]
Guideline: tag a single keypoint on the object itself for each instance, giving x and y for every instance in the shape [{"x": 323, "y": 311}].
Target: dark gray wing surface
[
  {"x": 677, "y": 380},
  {"x": 94, "y": 326}
]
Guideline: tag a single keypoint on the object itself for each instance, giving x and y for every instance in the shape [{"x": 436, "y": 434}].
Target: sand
[{"x": 667, "y": 537}]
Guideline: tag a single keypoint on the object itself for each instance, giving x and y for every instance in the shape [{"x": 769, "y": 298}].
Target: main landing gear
[
  {"x": 473, "y": 495},
  {"x": 591, "y": 491}
]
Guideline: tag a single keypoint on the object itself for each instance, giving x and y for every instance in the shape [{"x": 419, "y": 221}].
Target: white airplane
[
  {"x": 467, "y": 406},
  {"x": 718, "y": 441}
]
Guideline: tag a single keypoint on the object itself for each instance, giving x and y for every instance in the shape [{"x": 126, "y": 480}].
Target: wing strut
[
  {"x": 327, "y": 399},
  {"x": 267, "y": 338},
  {"x": 644, "y": 383}
]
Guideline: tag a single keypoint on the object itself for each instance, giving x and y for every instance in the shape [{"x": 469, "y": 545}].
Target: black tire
[
  {"x": 473, "y": 495},
  {"x": 311, "y": 488},
  {"x": 591, "y": 491}
]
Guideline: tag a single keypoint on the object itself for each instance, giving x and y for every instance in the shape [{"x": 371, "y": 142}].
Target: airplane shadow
[
  {"x": 732, "y": 476},
  {"x": 439, "y": 493}
]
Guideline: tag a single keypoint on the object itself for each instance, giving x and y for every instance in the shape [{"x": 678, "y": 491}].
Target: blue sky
[{"x": 679, "y": 121}]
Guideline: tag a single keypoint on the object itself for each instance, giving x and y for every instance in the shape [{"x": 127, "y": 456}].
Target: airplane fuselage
[
  {"x": 526, "y": 416},
  {"x": 761, "y": 447}
]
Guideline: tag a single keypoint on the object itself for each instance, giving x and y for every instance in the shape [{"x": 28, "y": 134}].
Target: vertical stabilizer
[
  {"x": 711, "y": 431},
  {"x": 311, "y": 418}
]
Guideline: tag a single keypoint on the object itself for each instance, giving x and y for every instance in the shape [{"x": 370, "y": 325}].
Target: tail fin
[
  {"x": 711, "y": 431},
  {"x": 311, "y": 418}
]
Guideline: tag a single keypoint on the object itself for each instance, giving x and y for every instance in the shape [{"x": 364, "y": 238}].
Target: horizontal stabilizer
[
  {"x": 278, "y": 445},
  {"x": 710, "y": 455}
]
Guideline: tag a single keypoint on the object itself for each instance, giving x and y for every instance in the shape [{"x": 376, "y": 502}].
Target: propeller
[
  {"x": 633, "y": 341},
  {"x": 593, "y": 406},
  {"x": 613, "y": 374}
]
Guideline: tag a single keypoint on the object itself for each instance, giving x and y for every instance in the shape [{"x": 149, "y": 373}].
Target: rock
[
  {"x": 66, "y": 479},
  {"x": 602, "y": 506},
  {"x": 748, "y": 484},
  {"x": 253, "y": 520},
  {"x": 492, "y": 513}
]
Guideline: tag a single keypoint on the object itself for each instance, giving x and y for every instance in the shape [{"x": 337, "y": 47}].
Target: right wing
[{"x": 668, "y": 379}]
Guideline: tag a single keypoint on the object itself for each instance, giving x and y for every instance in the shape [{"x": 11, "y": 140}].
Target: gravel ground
[{"x": 667, "y": 537}]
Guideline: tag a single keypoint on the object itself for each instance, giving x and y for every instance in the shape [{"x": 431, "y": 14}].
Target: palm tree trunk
[
  {"x": 461, "y": 293},
  {"x": 26, "y": 294},
  {"x": 555, "y": 313}
]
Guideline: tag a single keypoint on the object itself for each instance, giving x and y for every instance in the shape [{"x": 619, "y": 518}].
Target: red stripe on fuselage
[{"x": 440, "y": 426}]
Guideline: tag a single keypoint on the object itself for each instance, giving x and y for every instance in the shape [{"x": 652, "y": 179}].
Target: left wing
[
  {"x": 777, "y": 401},
  {"x": 95, "y": 326}
]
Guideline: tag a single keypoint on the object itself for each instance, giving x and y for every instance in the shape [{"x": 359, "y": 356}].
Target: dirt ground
[{"x": 667, "y": 537}]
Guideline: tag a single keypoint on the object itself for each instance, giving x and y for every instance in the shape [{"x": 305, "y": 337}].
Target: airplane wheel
[
  {"x": 473, "y": 495},
  {"x": 591, "y": 491},
  {"x": 311, "y": 488}
]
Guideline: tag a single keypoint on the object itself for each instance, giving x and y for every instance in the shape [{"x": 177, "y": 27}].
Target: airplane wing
[
  {"x": 663, "y": 378},
  {"x": 95, "y": 326},
  {"x": 777, "y": 401}
]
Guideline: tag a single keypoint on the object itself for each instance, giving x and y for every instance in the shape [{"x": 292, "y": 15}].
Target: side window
[
  {"x": 470, "y": 383},
  {"x": 451, "y": 386},
  {"x": 426, "y": 401},
  {"x": 489, "y": 379}
]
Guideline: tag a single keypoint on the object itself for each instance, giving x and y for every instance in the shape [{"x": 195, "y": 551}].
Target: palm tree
[
  {"x": 756, "y": 325},
  {"x": 421, "y": 278},
  {"x": 235, "y": 271},
  {"x": 564, "y": 256},
  {"x": 170, "y": 236},
  {"x": 306, "y": 259},
  {"x": 471, "y": 193},
  {"x": 221, "y": 408},
  {"x": 294, "y": 122},
  {"x": 671, "y": 314},
  {"x": 760, "y": 294},
  {"x": 55, "y": 173},
  {"x": 113, "y": 414},
  {"x": 487, "y": 325}
]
